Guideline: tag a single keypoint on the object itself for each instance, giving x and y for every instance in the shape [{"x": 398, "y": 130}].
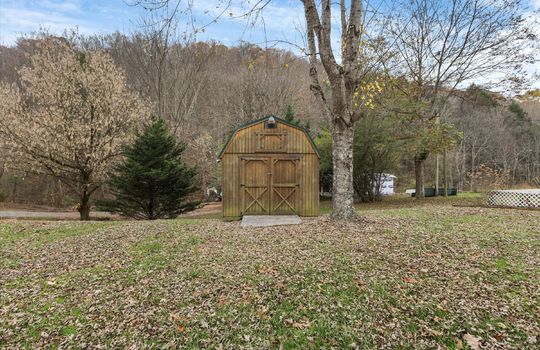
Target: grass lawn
[{"x": 404, "y": 276}]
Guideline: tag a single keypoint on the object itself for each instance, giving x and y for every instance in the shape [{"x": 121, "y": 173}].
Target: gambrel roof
[{"x": 262, "y": 120}]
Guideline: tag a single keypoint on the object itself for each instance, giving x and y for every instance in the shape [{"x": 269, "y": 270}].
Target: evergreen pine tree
[
  {"x": 152, "y": 180},
  {"x": 290, "y": 117}
]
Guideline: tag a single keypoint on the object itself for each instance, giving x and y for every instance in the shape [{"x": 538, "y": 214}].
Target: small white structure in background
[
  {"x": 212, "y": 193},
  {"x": 387, "y": 184}
]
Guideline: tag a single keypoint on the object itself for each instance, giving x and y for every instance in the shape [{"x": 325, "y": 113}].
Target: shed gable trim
[{"x": 235, "y": 131}]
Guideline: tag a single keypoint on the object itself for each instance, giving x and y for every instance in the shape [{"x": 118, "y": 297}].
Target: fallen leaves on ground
[
  {"x": 472, "y": 341},
  {"x": 422, "y": 278}
]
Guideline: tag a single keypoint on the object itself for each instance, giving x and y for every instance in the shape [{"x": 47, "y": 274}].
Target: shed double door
[{"x": 270, "y": 185}]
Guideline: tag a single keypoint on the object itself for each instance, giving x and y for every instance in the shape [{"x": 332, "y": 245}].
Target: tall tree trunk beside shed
[
  {"x": 338, "y": 99},
  {"x": 343, "y": 190}
]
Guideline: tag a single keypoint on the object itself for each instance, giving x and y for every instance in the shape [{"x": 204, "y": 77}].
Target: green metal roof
[{"x": 253, "y": 122}]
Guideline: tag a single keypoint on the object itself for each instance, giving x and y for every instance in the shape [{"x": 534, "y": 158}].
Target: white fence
[{"x": 514, "y": 198}]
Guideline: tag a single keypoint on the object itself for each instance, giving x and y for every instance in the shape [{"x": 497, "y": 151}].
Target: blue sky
[
  {"x": 283, "y": 20},
  {"x": 99, "y": 16},
  {"x": 104, "y": 16}
]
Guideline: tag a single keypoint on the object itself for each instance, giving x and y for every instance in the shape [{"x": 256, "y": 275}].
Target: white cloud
[{"x": 18, "y": 21}]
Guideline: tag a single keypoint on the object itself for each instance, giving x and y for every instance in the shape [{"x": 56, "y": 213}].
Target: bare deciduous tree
[
  {"x": 443, "y": 44},
  {"x": 69, "y": 116},
  {"x": 351, "y": 85},
  {"x": 202, "y": 156}
]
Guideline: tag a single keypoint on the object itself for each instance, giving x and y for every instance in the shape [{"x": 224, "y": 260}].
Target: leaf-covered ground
[{"x": 404, "y": 277}]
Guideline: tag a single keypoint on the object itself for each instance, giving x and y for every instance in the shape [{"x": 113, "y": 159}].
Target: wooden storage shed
[{"x": 270, "y": 166}]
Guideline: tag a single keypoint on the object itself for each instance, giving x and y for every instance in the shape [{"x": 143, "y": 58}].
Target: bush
[
  {"x": 376, "y": 150},
  {"x": 484, "y": 178}
]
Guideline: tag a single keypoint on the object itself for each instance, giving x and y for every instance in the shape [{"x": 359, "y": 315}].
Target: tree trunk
[
  {"x": 14, "y": 191},
  {"x": 473, "y": 165},
  {"x": 445, "y": 174},
  {"x": 342, "y": 189},
  {"x": 151, "y": 207},
  {"x": 419, "y": 174},
  {"x": 84, "y": 207}
]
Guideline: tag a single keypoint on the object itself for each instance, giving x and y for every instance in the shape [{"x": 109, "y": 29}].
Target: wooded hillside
[{"x": 205, "y": 89}]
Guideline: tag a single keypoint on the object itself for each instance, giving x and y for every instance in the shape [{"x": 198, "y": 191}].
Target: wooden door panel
[
  {"x": 255, "y": 192},
  {"x": 285, "y": 192}
]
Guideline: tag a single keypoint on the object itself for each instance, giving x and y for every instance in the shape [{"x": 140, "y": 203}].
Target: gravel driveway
[
  {"x": 16, "y": 213},
  {"x": 55, "y": 215}
]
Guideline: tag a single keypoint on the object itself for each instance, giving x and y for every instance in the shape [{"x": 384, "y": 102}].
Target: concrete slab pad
[{"x": 269, "y": 220}]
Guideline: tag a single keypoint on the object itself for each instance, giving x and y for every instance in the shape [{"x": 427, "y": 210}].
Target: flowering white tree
[{"x": 69, "y": 116}]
